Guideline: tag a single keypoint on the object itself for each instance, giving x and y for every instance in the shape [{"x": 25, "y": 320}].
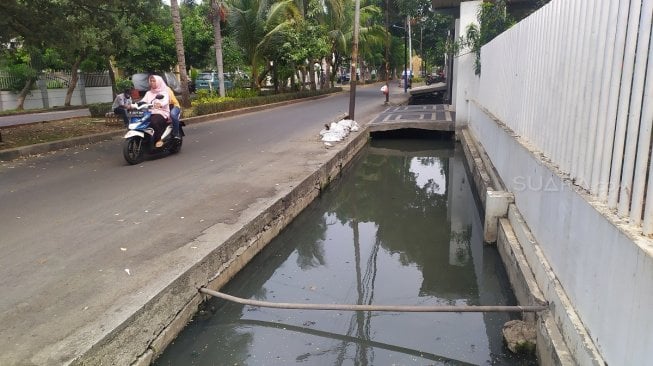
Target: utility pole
[
  {"x": 410, "y": 46},
  {"x": 387, "y": 53},
  {"x": 405, "y": 61},
  {"x": 421, "y": 50},
  {"x": 354, "y": 62},
  {"x": 405, "y": 73}
]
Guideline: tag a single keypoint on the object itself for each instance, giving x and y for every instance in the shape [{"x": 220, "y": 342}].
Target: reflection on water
[{"x": 399, "y": 228}]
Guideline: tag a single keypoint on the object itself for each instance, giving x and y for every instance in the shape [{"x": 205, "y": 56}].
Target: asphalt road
[{"x": 84, "y": 236}]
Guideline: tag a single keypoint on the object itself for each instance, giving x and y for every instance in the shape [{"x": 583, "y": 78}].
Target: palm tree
[
  {"x": 256, "y": 24},
  {"x": 340, "y": 23},
  {"x": 335, "y": 19},
  {"x": 218, "y": 13},
  {"x": 372, "y": 35},
  {"x": 181, "y": 58},
  {"x": 248, "y": 21}
]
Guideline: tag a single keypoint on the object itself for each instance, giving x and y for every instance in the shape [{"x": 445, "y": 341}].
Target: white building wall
[
  {"x": 555, "y": 93},
  {"x": 573, "y": 79},
  {"x": 465, "y": 79},
  {"x": 454, "y": 86}
]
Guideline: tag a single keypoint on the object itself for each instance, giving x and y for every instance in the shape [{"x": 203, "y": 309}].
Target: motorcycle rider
[
  {"x": 161, "y": 107},
  {"x": 175, "y": 113}
]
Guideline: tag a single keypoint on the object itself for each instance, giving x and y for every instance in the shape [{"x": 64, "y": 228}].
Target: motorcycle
[
  {"x": 139, "y": 139},
  {"x": 430, "y": 78}
]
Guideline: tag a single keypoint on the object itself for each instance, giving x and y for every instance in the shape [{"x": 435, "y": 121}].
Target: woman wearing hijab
[{"x": 161, "y": 107}]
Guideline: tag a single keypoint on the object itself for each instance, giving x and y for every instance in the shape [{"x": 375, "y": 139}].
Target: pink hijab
[{"x": 160, "y": 87}]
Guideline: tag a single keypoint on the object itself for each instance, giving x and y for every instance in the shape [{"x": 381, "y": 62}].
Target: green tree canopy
[
  {"x": 152, "y": 48},
  {"x": 433, "y": 31},
  {"x": 198, "y": 36}
]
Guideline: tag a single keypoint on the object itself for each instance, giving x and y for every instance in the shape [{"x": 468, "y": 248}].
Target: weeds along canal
[{"x": 400, "y": 227}]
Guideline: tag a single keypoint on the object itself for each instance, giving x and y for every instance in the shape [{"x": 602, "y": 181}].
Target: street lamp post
[
  {"x": 421, "y": 51},
  {"x": 387, "y": 53},
  {"x": 405, "y": 61},
  {"x": 410, "y": 46}
]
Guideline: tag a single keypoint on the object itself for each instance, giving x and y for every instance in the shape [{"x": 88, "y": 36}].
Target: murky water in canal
[{"x": 400, "y": 228}]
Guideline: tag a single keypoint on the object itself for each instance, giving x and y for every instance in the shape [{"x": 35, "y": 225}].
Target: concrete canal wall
[
  {"x": 153, "y": 326},
  {"x": 532, "y": 279}
]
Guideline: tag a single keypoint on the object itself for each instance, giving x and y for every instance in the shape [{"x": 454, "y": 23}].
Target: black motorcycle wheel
[
  {"x": 175, "y": 145},
  {"x": 133, "y": 149}
]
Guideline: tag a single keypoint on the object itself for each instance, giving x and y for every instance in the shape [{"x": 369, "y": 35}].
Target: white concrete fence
[
  {"x": 50, "y": 90},
  {"x": 51, "y": 98},
  {"x": 572, "y": 80}
]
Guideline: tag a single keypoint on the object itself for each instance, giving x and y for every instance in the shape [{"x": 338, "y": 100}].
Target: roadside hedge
[
  {"x": 99, "y": 109},
  {"x": 216, "y": 107},
  {"x": 199, "y": 109}
]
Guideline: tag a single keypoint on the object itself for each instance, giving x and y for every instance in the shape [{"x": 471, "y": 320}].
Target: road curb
[{"x": 45, "y": 147}]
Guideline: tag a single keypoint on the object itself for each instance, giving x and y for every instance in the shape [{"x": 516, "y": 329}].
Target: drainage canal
[{"x": 399, "y": 228}]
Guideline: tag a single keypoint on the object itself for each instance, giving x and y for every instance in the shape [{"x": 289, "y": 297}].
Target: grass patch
[{"x": 36, "y": 133}]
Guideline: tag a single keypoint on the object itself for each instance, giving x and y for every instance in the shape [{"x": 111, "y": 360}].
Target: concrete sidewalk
[
  {"x": 26, "y": 118},
  {"x": 162, "y": 296}
]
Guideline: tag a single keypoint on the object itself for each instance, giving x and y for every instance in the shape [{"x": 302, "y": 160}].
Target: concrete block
[{"x": 496, "y": 206}]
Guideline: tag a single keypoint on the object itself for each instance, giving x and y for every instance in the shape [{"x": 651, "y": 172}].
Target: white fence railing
[{"x": 575, "y": 79}]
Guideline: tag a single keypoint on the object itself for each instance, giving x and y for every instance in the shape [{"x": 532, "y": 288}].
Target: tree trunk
[
  {"x": 256, "y": 78},
  {"x": 74, "y": 76},
  {"x": 311, "y": 74},
  {"x": 216, "y": 16},
  {"x": 181, "y": 57},
  {"x": 23, "y": 93},
  {"x": 275, "y": 80},
  {"x": 328, "y": 73},
  {"x": 293, "y": 82},
  {"x": 336, "y": 65},
  {"x": 112, "y": 77}
]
